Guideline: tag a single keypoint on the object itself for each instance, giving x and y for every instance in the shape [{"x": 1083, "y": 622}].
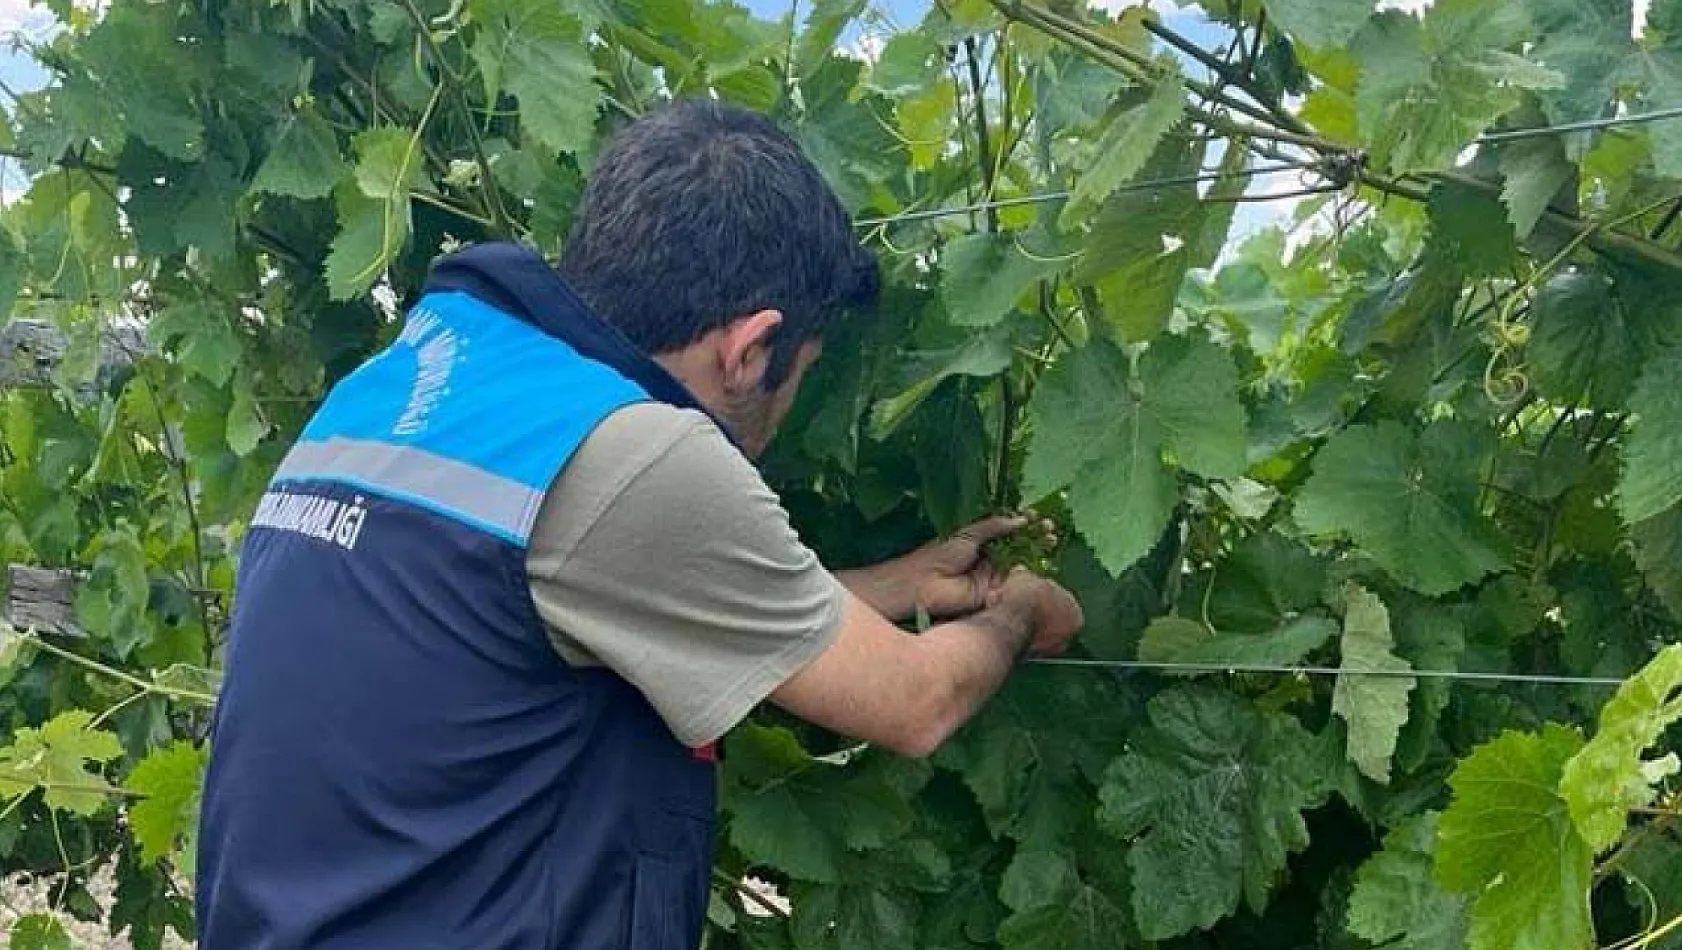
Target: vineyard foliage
[{"x": 1434, "y": 425}]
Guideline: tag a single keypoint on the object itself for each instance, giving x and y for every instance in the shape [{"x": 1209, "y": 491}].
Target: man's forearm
[
  {"x": 884, "y": 587},
  {"x": 977, "y": 654}
]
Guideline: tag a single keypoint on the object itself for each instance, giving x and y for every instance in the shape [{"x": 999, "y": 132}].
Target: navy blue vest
[{"x": 399, "y": 757}]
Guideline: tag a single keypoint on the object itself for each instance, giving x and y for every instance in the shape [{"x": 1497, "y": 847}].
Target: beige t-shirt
[{"x": 660, "y": 552}]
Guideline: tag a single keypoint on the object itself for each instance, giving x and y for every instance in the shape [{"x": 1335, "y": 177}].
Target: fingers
[
  {"x": 987, "y": 529},
  {"x": 985, "y": 580}
]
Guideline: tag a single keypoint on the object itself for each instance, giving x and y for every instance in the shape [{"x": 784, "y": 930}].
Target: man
[{"x": 519, "y": 576}]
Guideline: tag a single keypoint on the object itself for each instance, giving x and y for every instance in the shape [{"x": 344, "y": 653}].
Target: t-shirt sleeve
[{"x": 662, "y": 554}]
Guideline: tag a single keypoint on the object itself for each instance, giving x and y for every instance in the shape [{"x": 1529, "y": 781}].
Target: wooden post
[
  {"x": 30, "y": 349},
  {"x": 42, "y": 601}
]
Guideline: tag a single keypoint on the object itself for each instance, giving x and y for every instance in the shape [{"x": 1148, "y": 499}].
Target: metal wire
[
  {"x": 1587, "y": 125},
  {"x": 1542, "y": 679},
  {"x": 1490, "y": 138},
  {"x": 1147, "y": 185}
]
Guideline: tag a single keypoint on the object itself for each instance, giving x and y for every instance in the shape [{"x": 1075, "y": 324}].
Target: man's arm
[
  {"x": 947, "y": 578},
  {"x": 662, "y": 555},
  {"x": 910, "y": 692}
]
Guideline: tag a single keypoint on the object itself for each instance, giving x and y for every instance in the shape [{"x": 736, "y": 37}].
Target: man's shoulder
[
  {"x": 650, "y": 449},
  {"x": 647, "y": 425}
]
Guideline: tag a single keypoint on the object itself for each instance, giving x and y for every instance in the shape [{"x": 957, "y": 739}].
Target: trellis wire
[
  {"x": 1489, "y": 138},
  {"x": 1164, "y": 666},
  {"x": 1147, "y": 185},
  {"x": 1587, "y": 125}
]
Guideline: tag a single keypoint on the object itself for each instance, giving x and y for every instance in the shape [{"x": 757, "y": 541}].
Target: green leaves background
[{"x": 1433, "y": 428}]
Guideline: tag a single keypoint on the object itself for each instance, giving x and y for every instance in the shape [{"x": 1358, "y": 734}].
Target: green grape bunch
[{"x": 1036, "y": 546}]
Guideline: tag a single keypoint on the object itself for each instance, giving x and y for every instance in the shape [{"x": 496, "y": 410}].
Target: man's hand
[
  {"x": 1052, "y": 613},
  {"x": 909, "y": 692},
  {"x": 947, "y": 578}
]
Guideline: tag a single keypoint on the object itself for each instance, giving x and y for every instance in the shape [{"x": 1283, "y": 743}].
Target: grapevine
[{"x": 1307, "y": 473}]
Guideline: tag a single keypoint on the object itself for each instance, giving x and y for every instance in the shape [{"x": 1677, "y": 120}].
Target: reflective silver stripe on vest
[{"x": 422, "y": 476}]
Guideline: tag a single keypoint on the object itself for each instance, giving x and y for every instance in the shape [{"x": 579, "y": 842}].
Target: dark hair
[{"x": 700, "y": 213}]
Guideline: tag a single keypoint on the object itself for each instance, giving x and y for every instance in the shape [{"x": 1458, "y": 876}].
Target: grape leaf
[
  {"x": 1320, "y": 23},
  {"x": 536, "y": 50},
  {"x": 169, "y": 779},
  {"x": 1087, "y": 919},
  {"x": 13, "y": 265},
  {"x": 1190, "y": 387},
  {"x": 1658, "y": 552},
  {"x": 1429, "y": 637},
  {"x": 1470, "y": 236},
  {"x": 925, "y": 120},
  {"x": 1655, "y": 861},
  {"x": 246, "y": 425},
  {"x": 1179, "y": 640},
  {"x": 1036, "y": 879},
  {"x": 1652, "y": 476},
  {"x": 906, "y": 64},
  {"x": 803, "y": 816},
  {"x": 984, "y": 274},
  {"x": 1657, "y": 71},
  {"x": 56, "y": 756},
  {"x": 1029, "y": 754},
  {"x": 1396, "y": 904},
  {"x": 147, "y": 74},
  {"x": 1104, "y": 438},
  {"x": 1265, "y": 583},
  {"x": 1584, "y": 338},
  {"x": 1609, "y": 777},
  {"x": 149, "y": 904},
  {"x": 997, "y": 759},
  {"x": 371, "y": 234},
  {"x": 953, "y": 458},
  {"x": 1588, "y": 42},
  {"x": 202, "y": 337},
  {"x": 304, "y": 160},
  {"x": 1142, "y": 243},
  {"x": 1534, "y": 170},
  {"x": 374, "y": 215},
  {"x": 1126, "y": 146},
  {"x": 1376, "y": 708},
  {"x": 389, "y": 164},
  {"x": 1397, "y": 494},
  {"x": 851, "y": 917},
  {"x": 1429, "y": 85},
  {"x": 111, "y": 604},
  {"x": 1211, "y": 796},
  {"x": 1122, "y": 503},
  {"x": 845, "y": 135},
  {"x": 986, "y": 353},
  {"x": 1090, "y": 430},
  {"x": 39, "y": 932},
  {"x": 1507, "y": 840}
]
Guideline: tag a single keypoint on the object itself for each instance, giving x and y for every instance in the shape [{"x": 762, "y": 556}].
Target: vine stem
[
  {"x": 447, "y": 78},
  {"x": 118, "y": 707},
  {"x": 1662, "y": 819},
  {"x": 1653, "y": 935},
  {"x": 83, "y": 787},
  {"x": 12, "y": 805},
  {"x": 989, "y": 181},
  {"x": 983, "y": 137},
  {"x": 63, "y": 856},
  {"x": 94, "y": 666},
  {"x": 185, "y": 476},
  {"x": 1131, "y": 64}
]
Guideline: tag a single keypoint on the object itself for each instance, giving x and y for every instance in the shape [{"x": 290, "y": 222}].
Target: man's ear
[{"x": 744, "y": 351}]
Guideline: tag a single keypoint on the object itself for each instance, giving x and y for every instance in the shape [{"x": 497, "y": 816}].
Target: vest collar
[{"x": 517, "y": 280}]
